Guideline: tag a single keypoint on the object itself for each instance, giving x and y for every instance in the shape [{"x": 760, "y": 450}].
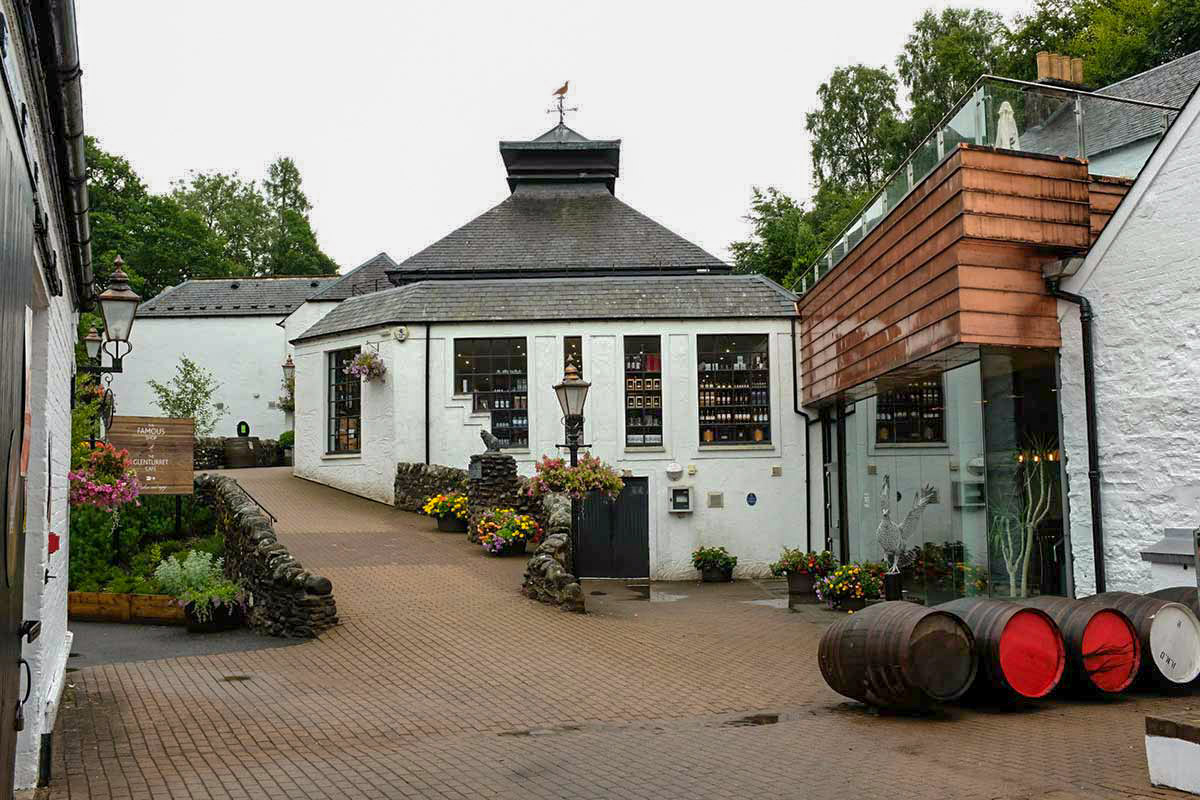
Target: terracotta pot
[
  {"x": 452, "y": 525},
  {"x": 716, "y": 575},
  {"x": 223, "y": 618},
  {"x": 800, "y": 583}
]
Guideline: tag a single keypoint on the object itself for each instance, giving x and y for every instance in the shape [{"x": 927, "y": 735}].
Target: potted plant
[
  {"x": 802, "y": 568},
  {"x": 210, "y": 600},
  {"x": 106, "y": 479},
  {"x": 715, "y": 564},
  {"x": 287, "y": 441},
  {"x": 450, "y": 509},
  {"x": 553, "y": 475},
  {"x": 367, "y": 365},
  {"x": 504, "y": 532},
  {"x": 849, "y": 587}
]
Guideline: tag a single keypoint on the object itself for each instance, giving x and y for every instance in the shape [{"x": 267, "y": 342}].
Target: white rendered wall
[
  {"x": 52, "y": 357},
  {"x": 754, "y": 533},
  {"x": 1143, "y": 280},
  {"x": 245, "y": 355}
]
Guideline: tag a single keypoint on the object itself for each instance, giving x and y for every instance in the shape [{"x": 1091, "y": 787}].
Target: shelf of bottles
[
  {"x": 911, "y": 414},
  {"x": 507, "y": 399},
  {"x": 643, "y": 391},
  {"x": 734, "y": 383}
]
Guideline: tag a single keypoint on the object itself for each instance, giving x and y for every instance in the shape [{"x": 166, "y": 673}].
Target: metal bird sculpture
[
  {"x": 894, "y": 539},
  {"x": 562, "y": 90}
]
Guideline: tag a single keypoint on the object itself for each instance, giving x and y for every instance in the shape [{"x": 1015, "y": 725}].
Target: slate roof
[
  {"x": 528, "y": 299},
  {"x": 369, "y": 276},
  {"x": 561, "y": 227},
  {"x": 233, "y": 297}
]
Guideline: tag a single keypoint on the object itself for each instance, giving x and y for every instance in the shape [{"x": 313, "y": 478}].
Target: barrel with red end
[
  {"x": 1021, "y": 651},
  {"x": 1104, "y": 653},
  {"x": 1169, "y": 634},
  {"x": 899, "y": 655}
]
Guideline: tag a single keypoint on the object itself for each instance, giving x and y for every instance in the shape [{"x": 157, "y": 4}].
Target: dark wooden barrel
[
  {"x": 239, "y": 452},
  {"x": 899, "y": 655},
  {"x": 1104, "y": 652},
  {"x": 1188, "y": 595},
  {"x": 1169, "y": 633},
  {"x": 1021, "y": 651}
]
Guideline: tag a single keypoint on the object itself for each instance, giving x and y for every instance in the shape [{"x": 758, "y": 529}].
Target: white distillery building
[
  {"x": 45, "y": 279},
  {"x": 690, "y": 365},
  {"x": 232, "y": 327}
]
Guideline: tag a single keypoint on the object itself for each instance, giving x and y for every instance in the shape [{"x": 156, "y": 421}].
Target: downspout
[
  {"x": 69, "y": 73},
  {"x": 428, "y": 325},
  {"x": 807, "y": 450},
  {"x": 1089, "y": 395}
]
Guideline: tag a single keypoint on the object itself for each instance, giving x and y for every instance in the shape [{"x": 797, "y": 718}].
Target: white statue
[
  {"x": 1007, "y": 135},
  {"x": 895, "y": 539}
]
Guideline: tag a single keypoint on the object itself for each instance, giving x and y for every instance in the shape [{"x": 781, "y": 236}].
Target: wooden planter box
[{"x": 150, "y": 609}]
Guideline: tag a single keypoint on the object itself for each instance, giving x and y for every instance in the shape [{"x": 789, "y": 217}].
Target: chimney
[{"x": 1059, "y": 70}]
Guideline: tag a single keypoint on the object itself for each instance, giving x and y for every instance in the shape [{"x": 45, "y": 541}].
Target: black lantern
[
  {"x": 92, "y": 342},
  {"x": 572, "y": 394},
  {"x": 289, "y": 369},
  {"x": 118, "y": 305}
]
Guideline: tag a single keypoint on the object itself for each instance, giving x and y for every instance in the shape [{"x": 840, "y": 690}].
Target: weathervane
[{"x": 560, "y": 95}]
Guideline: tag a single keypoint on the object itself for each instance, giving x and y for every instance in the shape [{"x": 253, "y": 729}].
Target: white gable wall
[
  {"x": 394, "y": 431},
  {"x": 245, "y": 354},
  {"x": 1143, "y": 280}
]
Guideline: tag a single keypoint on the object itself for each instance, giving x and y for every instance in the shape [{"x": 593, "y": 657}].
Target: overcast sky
[{"x": 393, "y": 109}]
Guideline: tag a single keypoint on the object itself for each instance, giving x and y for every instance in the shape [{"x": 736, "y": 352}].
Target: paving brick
[{"x": 443, "y": 682}]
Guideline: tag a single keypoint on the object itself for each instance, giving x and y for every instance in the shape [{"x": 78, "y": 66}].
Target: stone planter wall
[
  {"x": 415, "y": 483},
  {"x": 286, "y": 599},
  {"x": 546, "y": 577},
  {"x": 209, "y": 453},
  {"x": 493, "y": 483}
]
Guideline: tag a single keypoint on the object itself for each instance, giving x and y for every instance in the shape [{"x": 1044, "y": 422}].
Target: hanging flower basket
[
  {"x": 367, "y": 365},
  {"x": 106, "y": 480}
]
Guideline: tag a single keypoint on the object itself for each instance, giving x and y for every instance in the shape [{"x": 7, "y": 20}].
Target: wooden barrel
[
  {"x": 1169, "y": 633},
  {"x": 239, "y": 452},
  {"x": 1104, "y": 652},
  {"x": 1021, "y": 651},
  {"x": 1188, "y": 595},
  {"x": 899, "y": 655}
]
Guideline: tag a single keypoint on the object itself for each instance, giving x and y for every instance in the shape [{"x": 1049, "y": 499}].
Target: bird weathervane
[{"x": 560, "y": 96}]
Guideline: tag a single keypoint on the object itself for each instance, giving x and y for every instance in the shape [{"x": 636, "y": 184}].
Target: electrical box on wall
[{"x": 679, "y": 499}]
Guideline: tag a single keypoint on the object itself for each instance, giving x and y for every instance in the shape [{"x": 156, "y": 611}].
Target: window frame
[
  {"x": 937, "y": 403},
  {"x": 636, "y": 392},
  {"x": 336, "y": 380},
  {"x": 502, "y": 395},
  {"x": 723, "y": 387}
]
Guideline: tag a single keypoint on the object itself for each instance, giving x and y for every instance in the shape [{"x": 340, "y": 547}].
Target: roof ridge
[{"x": 259, "y": 278}]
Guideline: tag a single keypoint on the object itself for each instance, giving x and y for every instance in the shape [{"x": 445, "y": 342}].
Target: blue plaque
[{"x": 751, "y": 499}]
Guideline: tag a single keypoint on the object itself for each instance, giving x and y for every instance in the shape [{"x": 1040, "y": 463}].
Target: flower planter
[
  {"x": 224, "y": 618},
  {"x": 451, "y": 525},
  {"x": 514, "y": 548},
  {"x": 852, "y": 604},
  {"x": 716, "y": 575},
  {"x": 800, "y": 583}
]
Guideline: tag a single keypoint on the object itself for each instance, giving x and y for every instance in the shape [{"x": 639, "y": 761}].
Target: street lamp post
[
  {"x": 572, "y": 395},
  {"x": 118, "y": 304}
]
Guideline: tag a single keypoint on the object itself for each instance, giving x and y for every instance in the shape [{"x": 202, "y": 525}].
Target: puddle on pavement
[
  {"x": 541, "y": 731},
  {"x": 752, "y": 721},
  {"x": 235, "y": 678},
  {"x": 781, "y": 602}
]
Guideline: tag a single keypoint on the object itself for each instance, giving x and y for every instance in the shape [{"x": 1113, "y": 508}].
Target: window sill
[
  {"x": 633, "y": 451},
  {"x": 720, "y": 448},
  {"x": 515, "y": 452},
  {"x": 342, "y": 456},
  {"x": 911, "y": 445}
]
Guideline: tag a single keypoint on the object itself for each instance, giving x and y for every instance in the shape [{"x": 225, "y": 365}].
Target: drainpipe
[
  {"x": 807, "y": 451},
  {"x": 1089, "y": 391},
  {"x": 69, "y": 74},
  {"x": 428, "y": 325}
]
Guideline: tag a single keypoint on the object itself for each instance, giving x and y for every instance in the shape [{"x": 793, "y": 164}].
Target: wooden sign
[{"x": 161, "y": 450}]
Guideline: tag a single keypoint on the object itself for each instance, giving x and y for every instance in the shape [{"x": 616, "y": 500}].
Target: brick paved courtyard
[{"x": 443, "y": 682}]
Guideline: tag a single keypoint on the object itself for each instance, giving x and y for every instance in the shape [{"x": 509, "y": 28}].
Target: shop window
[
  {"x": 643, "y": 391},
  {"x": 345, "y": 404},
  {"x": 734, "y": 382},
  {"x": 493, "y": 372},
  {"x": 912, "y": 413},
  {"x": 573, "y": 353}
]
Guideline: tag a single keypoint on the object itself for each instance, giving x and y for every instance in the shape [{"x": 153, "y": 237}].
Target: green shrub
[
  {"x": 198, "y": 581},
  {"x": 713, "y": 558},
  {"x": 287, "y": 439}
]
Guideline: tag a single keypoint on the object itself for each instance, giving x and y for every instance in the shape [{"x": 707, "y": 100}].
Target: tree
[
  {"x": 942, "y": 58},
  {"x": 234, "y": 209},
  {"x": 1177, "y": 29},
  {"x": 1052, "y": 26},
  {"x": 190, "y": 394},
  {"x": 855, "y": 127},
  {"x": 294, "y": 249},
  {"x": 283, "y": 188},
  {"x": 1119, "y": 40}
]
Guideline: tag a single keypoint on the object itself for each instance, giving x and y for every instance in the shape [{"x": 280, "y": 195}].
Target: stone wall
[
  {"x": 417, "y": 482},
  {"x": 547, "y": 579},
  {"x": 286, "y": 600},
  {"x": 209, "y": 453},
  {"x": 493, "y": 483}
]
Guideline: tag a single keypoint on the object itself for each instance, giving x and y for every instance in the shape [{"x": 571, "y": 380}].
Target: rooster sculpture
[{"x": 895, "y": 539}]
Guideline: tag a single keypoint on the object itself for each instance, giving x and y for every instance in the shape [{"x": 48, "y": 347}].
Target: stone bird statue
[
  {"x": 895, "y": 539},
  {"x": 562, "y": 90},
  {"x": 490, "y": 441}
]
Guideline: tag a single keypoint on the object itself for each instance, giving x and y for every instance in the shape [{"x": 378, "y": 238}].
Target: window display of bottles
[
  {"x": 643, "y": 392},
  {"x": 911, "y": 414},
  {"x": 508, "y": 402},
  {"x": 733, "y": 384}
]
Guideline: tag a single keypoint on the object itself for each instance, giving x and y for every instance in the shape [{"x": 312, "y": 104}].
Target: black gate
[
  {"x": 614, "y": 536},
  {"x": 16, "y": 290}
]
